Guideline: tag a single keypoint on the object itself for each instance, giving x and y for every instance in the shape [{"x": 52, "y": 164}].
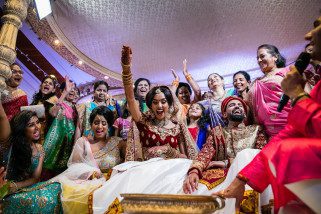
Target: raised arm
[
  {"x": 128, "y": 84},
  {"x": 55, "y": 109},
  {"x": 192, "y": 83},
  {"x": 180, "y": 115}
]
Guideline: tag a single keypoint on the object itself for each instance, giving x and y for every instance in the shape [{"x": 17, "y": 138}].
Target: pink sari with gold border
[{"x": 265, "y": 95}]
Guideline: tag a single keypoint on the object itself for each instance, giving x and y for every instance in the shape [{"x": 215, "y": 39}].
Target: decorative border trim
[{"x": 48, "y": 30}]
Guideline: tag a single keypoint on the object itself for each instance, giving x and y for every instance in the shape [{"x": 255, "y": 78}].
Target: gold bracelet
[
  {"x": 175, "y": 83},
  {"x": 128, "y": 82},
  {"x": 242, "y": 178},
  {"x": 125, "y": 66},
  {"x": 129, "y": 76},
  {"x": 188, "y": 77}
]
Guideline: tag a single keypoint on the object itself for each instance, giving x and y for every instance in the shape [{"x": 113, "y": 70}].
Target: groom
[{"x": 223, "y": 145}]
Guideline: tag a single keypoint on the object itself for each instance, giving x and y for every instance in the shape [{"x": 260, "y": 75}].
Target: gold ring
[{"x": 222, "y": 194}]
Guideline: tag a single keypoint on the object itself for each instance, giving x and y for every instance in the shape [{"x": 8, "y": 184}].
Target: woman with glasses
[{"x": 16, "y": 97}]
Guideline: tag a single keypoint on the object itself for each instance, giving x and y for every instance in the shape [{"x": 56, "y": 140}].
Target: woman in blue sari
[{"x": 26, "y": 158}]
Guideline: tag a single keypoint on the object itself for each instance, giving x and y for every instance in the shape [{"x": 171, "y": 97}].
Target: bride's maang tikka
[{"x": 158, "y": 91}]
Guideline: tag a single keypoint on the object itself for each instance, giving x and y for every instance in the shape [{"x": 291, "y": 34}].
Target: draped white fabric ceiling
[{"x": 214, "y": 36}]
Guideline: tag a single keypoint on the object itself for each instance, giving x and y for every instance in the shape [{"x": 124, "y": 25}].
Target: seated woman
[
  {"x": 90, "y": 163},
  {"x": 159, "y": 134},
  {"x": 24, "y": 170},
  {"x": 197, "y": 124}
]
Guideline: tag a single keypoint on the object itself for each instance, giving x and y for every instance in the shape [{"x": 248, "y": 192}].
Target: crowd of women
[{"x": 58, "y": 155}]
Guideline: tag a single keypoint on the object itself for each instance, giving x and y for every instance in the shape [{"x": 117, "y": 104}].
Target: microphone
[{"x": 301, "y": 64}]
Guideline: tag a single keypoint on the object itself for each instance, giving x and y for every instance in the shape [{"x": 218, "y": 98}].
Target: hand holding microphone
[{"x": 293, "y": 83}]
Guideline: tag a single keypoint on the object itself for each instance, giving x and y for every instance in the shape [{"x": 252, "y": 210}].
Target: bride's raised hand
[{"x": 126, "y": 55}]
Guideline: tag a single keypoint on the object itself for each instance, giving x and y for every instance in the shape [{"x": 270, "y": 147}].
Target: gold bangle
[
  {"x": 127, "y": 75},
  {"x": 242, "y": 178},
  {"x": 188, "y": 77},
  {"x": 128, "y": 82},
  {"x": 125, "y": 66},
  {"x": 175, "y": 83}
]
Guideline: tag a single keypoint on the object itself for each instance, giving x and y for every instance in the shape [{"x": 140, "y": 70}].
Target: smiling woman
[
  {"x": 60, "y": 137},
  {"x": 142, "y": 86},
  {"x": 16, "y": 97},
  {"x": 265, "y": 92},
  {"x": 90, "y": 162},
  {"x": 25, "y": 167},
  {"x": 159, "y": 134},
  {"x": 46, "y": 96}
]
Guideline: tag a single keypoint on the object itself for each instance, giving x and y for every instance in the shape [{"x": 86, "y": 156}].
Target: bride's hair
[{"x": 159, "y": 89}]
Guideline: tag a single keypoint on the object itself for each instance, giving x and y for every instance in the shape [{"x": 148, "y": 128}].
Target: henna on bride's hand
[{"x": 126, "y": 55}]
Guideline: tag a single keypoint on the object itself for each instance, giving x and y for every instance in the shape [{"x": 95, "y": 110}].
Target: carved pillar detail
[{"x": 15, "y": 11}]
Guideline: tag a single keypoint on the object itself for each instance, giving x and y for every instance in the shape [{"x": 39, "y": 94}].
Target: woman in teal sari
[{"x": 26, "y": 158}]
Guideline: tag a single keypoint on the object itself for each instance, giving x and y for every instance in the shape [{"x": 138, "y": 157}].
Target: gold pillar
[{"x": 15, "y": 11}]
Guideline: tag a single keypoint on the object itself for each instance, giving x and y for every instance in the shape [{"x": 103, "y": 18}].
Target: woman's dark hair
[
  {"x": 13, "y": 64},
  {"x": 183, "y": 84},
  {"x": 63, "y": 86},
  {"x": 245, "y": 74},
  {"x": 39, "y": 96},
  {"x": 307, "y": 45},
  {"x": 206, "y": 92},
  {"x": 103, "y": 111},
  {"x": 21, "y": 153},
  {"x": 137, "y": 82},
  {"x": 164, "y": 89},
  {"x": 202, "y": 121},
  {"x": 274, "y": 51},
  {"x": 101, "y": 82},
  {"x": 140, "y": 99},
  {"x": 126, "y": 113}
]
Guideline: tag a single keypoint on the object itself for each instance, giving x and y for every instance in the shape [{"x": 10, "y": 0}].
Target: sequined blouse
[
  {"x": 152, "y": 135},
  {"x": 108, "y": 156}
]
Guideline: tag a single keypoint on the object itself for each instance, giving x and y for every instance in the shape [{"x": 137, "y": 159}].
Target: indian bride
[{"x": 160, "y": 137}]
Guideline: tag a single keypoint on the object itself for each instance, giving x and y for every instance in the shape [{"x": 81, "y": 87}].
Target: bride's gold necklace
[{"x": 160, "y": 123}]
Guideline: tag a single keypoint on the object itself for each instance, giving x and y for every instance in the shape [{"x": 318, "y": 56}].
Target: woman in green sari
[{"x": 59, "y": 140}]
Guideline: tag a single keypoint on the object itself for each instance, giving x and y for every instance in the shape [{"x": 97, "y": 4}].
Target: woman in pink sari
[{"x": 265, "y": 92}]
